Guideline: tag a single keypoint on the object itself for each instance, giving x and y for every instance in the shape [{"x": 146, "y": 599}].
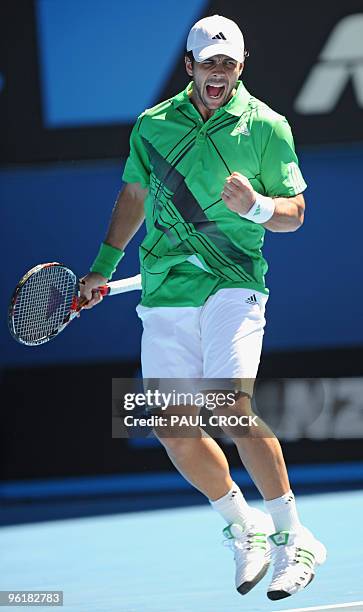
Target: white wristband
[{"x": 261, "y": 211}]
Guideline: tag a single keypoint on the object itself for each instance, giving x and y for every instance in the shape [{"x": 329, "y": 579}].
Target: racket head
[{"x": 43, "y": 303}]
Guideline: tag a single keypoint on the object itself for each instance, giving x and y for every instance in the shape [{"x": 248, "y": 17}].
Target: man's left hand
[{"x": 238, "y": 193}]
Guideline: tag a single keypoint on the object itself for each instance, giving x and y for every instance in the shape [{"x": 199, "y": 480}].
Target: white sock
[
  {"x": 284, "y": 512},
  {"x": 233, "y": 507}
]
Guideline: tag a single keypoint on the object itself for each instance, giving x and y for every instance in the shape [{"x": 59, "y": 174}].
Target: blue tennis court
[{"x": 173, "y": 560}]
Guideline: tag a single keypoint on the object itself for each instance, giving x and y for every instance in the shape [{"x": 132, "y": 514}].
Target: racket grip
[{"x": 103, "y": 289}]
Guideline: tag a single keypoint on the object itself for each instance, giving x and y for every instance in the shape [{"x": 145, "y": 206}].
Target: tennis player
[{"x": 211, "y": 169}]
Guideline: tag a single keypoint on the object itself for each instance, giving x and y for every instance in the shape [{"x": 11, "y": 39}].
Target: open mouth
[{"x": 215, "y": 91}]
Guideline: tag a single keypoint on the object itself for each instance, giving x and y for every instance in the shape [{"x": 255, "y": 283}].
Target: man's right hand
[{"x": 88, "y": 288}]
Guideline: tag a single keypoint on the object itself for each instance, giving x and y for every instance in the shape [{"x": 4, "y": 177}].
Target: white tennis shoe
[
  {"x": 251, "y": 550},
  {"x": 295, "y": 557}
]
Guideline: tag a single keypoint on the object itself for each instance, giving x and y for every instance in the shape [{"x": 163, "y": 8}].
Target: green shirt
[{"x": 194, "y": 244}]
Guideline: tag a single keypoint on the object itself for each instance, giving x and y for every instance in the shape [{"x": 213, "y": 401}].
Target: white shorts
[{"x": 221, "y": 339}]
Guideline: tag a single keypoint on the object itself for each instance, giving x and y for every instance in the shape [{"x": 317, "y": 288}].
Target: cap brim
[{"x": 222, "y": 48}]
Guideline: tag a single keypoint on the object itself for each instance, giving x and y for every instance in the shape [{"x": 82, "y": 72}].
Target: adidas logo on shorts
[{"x": 251, "y": 300}]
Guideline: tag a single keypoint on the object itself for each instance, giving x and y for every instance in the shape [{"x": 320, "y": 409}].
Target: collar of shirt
[{"x": 236, "y": 105}]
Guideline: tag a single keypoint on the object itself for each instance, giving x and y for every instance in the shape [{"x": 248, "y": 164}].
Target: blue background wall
[{"x": 93, "y": 56}]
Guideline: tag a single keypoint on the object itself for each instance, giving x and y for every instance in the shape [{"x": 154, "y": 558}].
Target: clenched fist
[{"x": 238, "y": 193}]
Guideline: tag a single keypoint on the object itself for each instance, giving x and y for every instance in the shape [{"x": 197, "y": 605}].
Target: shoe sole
[
  {"x": 245, "y": 588},
  {"x": 275, "y": 595}
]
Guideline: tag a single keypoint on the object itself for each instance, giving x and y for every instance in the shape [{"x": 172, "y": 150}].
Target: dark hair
[{"x": 190, "y": 56}]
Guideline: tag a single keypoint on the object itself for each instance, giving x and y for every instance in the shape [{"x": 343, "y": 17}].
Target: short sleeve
[
  {"x": 137, "y": 168},
  {"x": 280, "y": 172}
]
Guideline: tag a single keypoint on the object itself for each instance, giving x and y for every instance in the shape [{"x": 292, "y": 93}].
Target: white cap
[{"x": 216, "y": 35}]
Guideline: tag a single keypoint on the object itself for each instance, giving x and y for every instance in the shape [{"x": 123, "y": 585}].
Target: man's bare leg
[
  {"x": 203, "y": 463},
  {"x": 197, "y": 457},
  {"x": 260, "y": 451}
]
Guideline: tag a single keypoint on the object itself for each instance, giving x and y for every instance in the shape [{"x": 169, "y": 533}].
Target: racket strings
[{"x": 43, "y": 303}]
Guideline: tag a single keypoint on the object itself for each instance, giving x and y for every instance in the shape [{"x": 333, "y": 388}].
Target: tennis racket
[{"x": 47, "y": 299}]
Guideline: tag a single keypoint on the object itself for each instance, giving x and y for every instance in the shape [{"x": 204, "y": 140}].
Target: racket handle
[
  {"x": 103, "y": 289},
  {"x": 121, "y": 286},
  {"x": 124, "y": 285}
]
